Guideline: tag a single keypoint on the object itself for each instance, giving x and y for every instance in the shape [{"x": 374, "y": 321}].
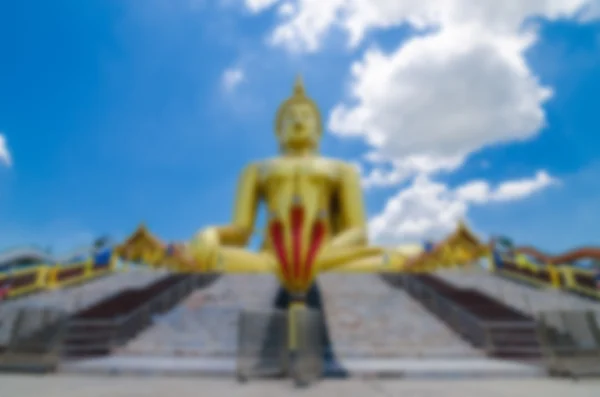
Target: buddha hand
[{"x": 204, "y": 248}]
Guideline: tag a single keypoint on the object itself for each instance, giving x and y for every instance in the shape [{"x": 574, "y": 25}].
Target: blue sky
[{"x": 115, "y": 112}]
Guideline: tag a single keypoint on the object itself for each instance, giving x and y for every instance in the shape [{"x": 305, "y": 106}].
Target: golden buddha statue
[{"x": 316, "y": 217}]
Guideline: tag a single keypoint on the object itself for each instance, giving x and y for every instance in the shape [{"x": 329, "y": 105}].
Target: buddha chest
[{"x": 311, "y": 183}]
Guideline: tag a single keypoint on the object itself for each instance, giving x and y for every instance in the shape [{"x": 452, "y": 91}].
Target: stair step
[
  {"x": 93, "y": 337},
  {"x": 519, "y": 340}
]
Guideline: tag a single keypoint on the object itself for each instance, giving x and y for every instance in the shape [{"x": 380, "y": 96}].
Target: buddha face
[{"x": 299, "y": 128}]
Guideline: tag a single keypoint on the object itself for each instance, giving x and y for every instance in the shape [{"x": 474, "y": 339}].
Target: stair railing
[
  {"x": 120, "y": 330},
  {"x": 460, "y": 321},
  {"x": 463, "y": 322},
  {"x": 130, "y": 324}
]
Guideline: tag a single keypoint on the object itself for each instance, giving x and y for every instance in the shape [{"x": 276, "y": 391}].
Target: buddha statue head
[{"x": 298, "y": 122}]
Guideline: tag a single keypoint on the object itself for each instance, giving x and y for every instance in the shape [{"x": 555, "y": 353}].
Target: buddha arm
[
  {"x": 353, "y": 219},
  {"x": 240, "y": 230},
  {"x": 231, "y": 257}
]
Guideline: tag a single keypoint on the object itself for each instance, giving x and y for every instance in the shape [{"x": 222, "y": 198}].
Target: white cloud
[
  {"x": 5, "y": 156},
  {"x": 286, "y": 9},
  {"x": 436, "y": 98},
  {"x": 404, "y": 168},
  {"x": 260, "y": 5},
  {"x": 314, "y": 19},
  {"x": 517, "y": 189},
  {"x": 233, "y": 77},
  {"x": 429, "y": 209},
  {"x": 481, "y": 192},
  {"x": 460, "y": 87},
  {"x": 591, "y": 11}
]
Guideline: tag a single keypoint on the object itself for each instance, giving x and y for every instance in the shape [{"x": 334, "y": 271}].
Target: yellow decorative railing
[
  {"x": 547, "y": 274},
  {"x": 47, "y": 277}
]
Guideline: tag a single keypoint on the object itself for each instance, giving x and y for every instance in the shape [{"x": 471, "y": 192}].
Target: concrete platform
[
  {"x": 97, "y": 386},
  {"x": 372, "y": 368}
]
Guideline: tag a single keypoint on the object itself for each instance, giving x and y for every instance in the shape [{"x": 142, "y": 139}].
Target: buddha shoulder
[{"x": 333, "y": 168}]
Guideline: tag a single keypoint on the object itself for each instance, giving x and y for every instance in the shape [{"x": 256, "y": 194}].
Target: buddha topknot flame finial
[{"x": 299, "y": 86}]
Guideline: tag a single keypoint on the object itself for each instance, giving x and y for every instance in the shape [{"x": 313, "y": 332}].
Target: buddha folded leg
[
  {"x": 333, "y": 257},
  {"x": 239, "y": 260},
  {"x": 375, "y": 263}
]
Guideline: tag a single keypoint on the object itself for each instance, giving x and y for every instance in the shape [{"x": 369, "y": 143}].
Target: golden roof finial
[{"x": 299, "y": 86}]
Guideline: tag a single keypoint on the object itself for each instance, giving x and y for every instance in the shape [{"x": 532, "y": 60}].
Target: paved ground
[
  {"x": 63, "y": 386},
  {"x": 405, "y": 367}
]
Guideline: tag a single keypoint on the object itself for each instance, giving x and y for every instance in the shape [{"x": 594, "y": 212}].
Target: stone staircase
[
  {"x": 370, "y": 318},
  {"x": 73, "y": 299},
  {"x": 487, "y": 323},
  {"x": 83, "y": 295},
  {"x": 522, "y": 297},
  {"x": 206, "y": 323},
  {"x": 100, "y": 328}
]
